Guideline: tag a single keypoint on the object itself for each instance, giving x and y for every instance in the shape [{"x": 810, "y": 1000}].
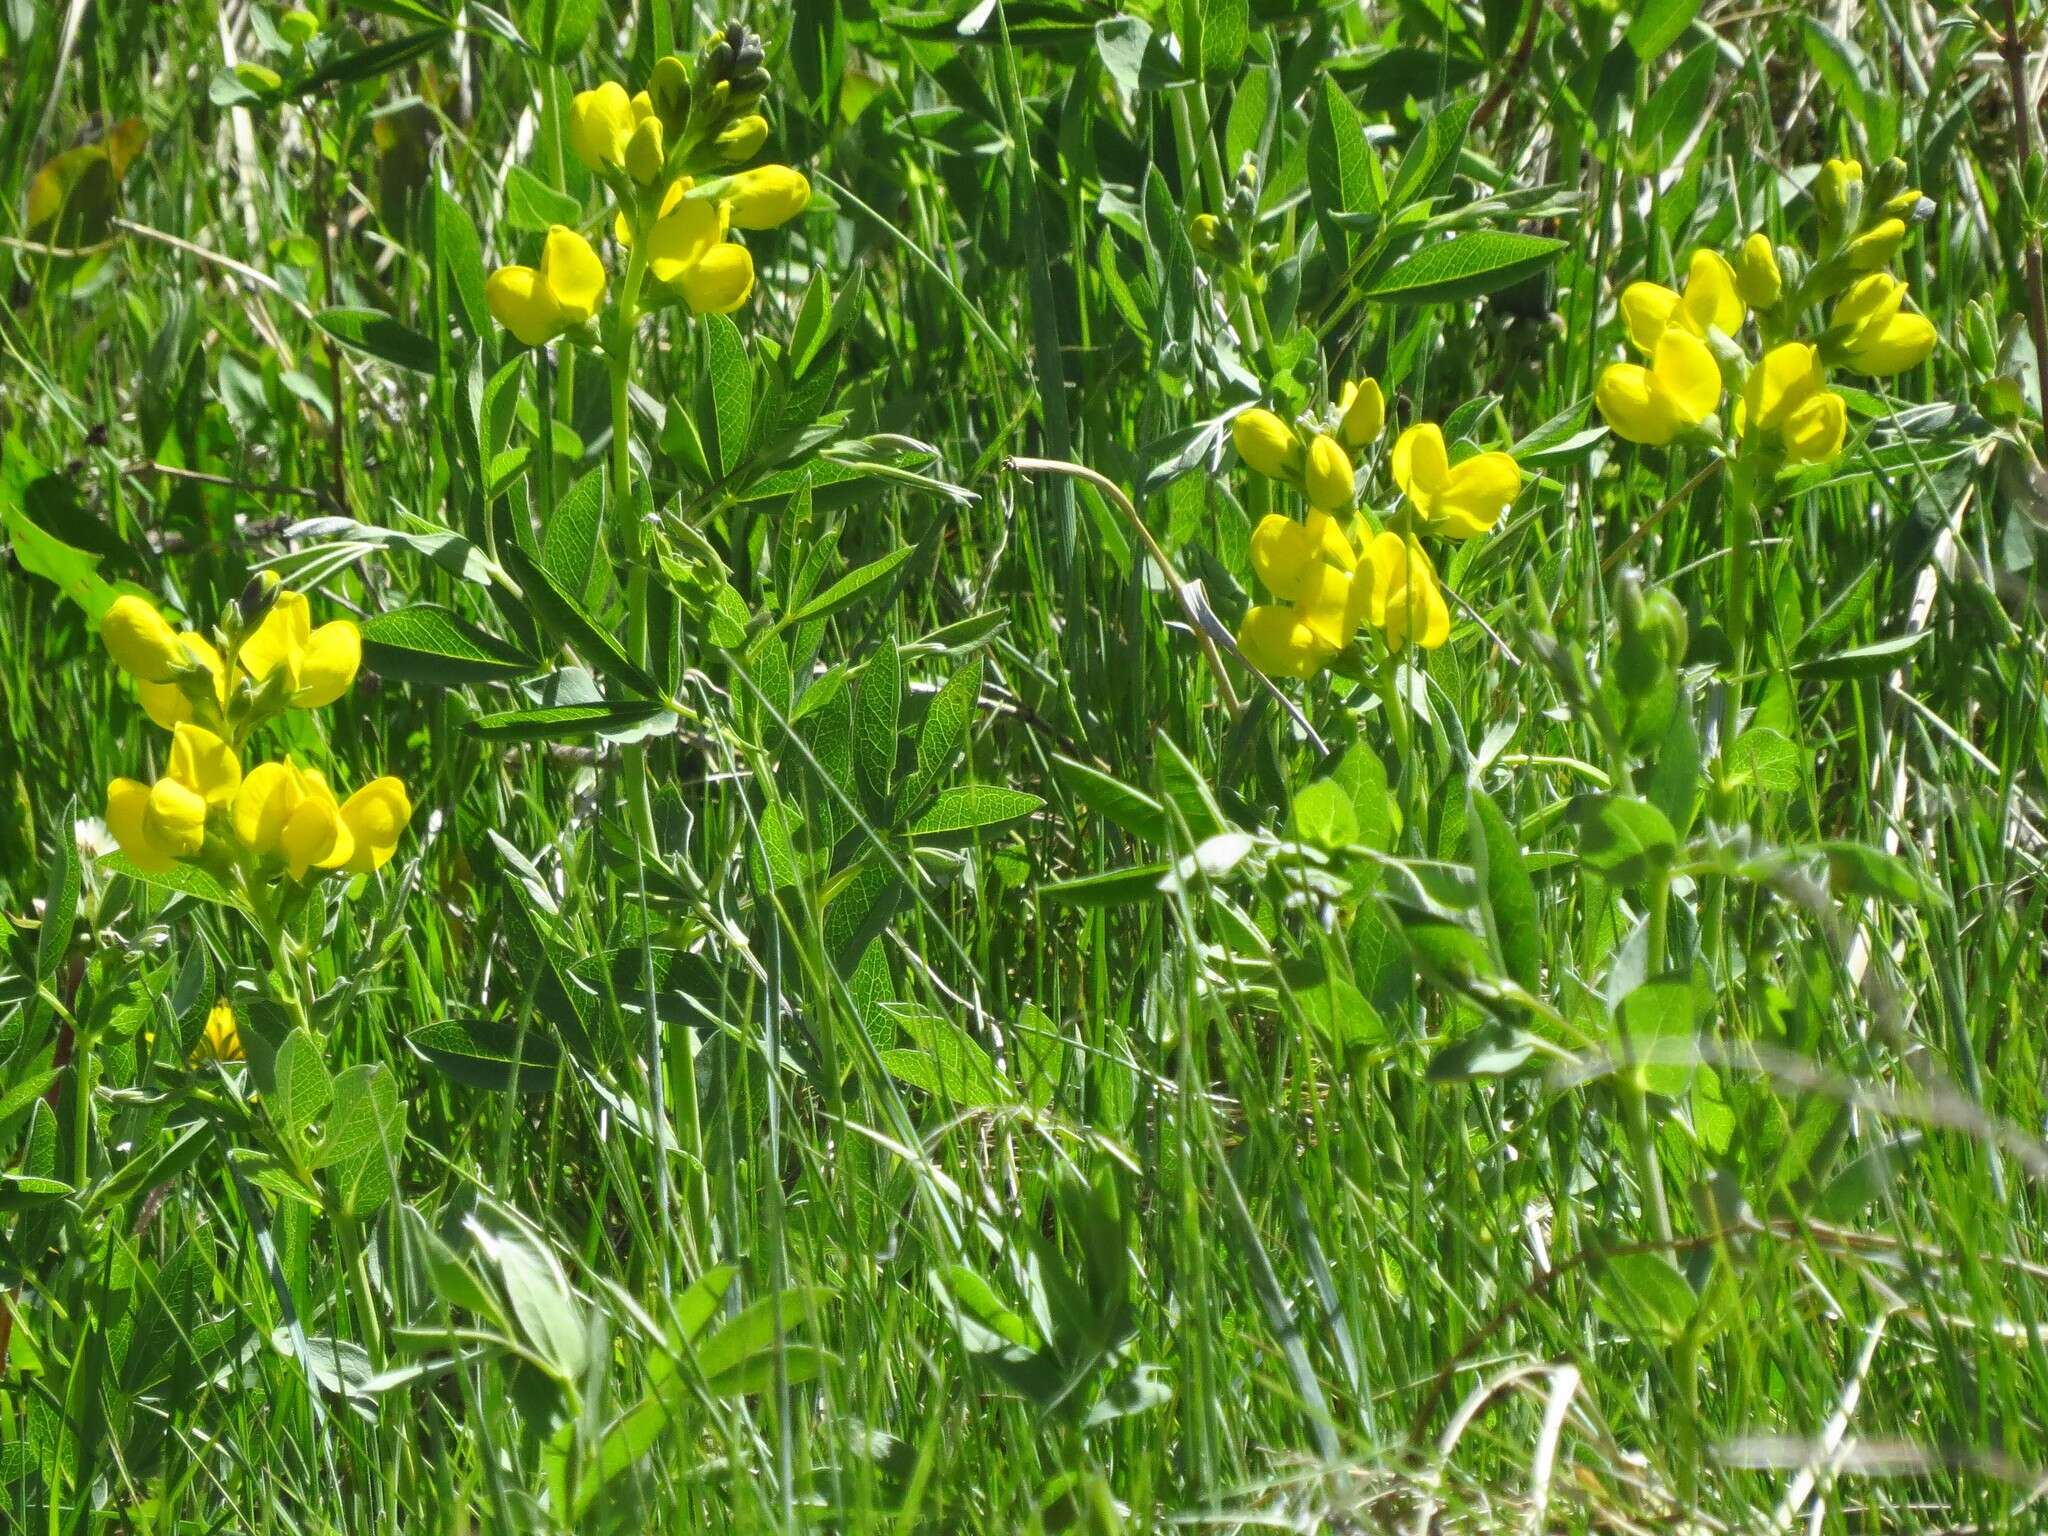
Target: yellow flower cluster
[
  {"x": 1326, "y": 586},
  {"x": 666, "y": 154},
  {"x": 1690, "y": 339},
  {"x": 211, "y": 694}
]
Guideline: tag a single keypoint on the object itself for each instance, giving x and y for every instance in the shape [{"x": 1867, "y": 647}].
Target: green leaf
[
  {"x": 1658, "y": 1021},
  {"x": 431, "y": 645},
  {"x": 1857, "y": 870},
  {"x": 1110, "y": 888},
  {"x": 565, "y": 722},
  {"x": 848, "y": 589},
  {"x": 1494, "y": 1050},
  {"x": 60, "y": 899},
  {"x": 1645, "y": 1293},
  {"x": 974, "y": 805},
  {"x": 368, "y": 63},
  {"x": 483, "y": 1053},
  {"x": 184, "y": 879},
  {"x": 1674, "y": 110},
  {"x": 1767, "y": 758},
  {"x": 740, "y": 1357},
  {"x": 1132, "y": 809},
  {"x": 1658, "y": 24},
  {"x": 1625, "y": 839},
  {"x": 1465, "y": 267},
  {"x": 732, "y": 388},
  {"x": 944, "y": 731},
  {"x": 1322, "y": 814},
  {"x": 1343, "y": 175},
  {"x": 1510, "y": 895},
  {"x": 1840, "y": 63},
  {"x": 568, "y": 546},
  {"x": 461, "y": 256},
  {"x": 877, "y": 703},
  {"x": 299, "y": 1089},
  {"x": 1226, "y": 31},
  {"x": 948, "y": 1063},
  {"x": 1426, "y": 168},
  {"x": 376, "y": 334},
  {"x": 1865, "y": 660},
  {"x": 572, "y": 21},
  {"x": 532, "y": 205},
  {"x": 360, "y": 1144},
  {"x": 562, "y": 615}
]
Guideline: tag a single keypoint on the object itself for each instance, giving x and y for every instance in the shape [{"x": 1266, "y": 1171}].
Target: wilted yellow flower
[
  {"x": 1327, "y": 478},
  {"x": 1710, "y": 302},
  {"x": 1364, "y": 411},
  {"x": 157, "y": 824},
  {"x": 1678, "y": 391},
  {"x": 1266, "y": 443},
  {"x": 168, "y": 703},
  {"x": 688, "y": 254},
  {"x": 766, "y": 196},
  {"x": 221, "y": 1040},
  {"x": 1757, "y": 276},
  {"x": 537, "y": 305},
  {"x": 1459, "y": 501},
  {"x": 141, "y": 641},
  {"x": 318, "y": 664},
  {"x": 1787, "y": 396},
  {"x": 1407, "y": 603},
  {"x": 601, "y": 125},
  {"x": 1870, "y": 331}
]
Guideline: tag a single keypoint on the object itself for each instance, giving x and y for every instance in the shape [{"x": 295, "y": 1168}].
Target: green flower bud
[{"x": 298, "y": 27}]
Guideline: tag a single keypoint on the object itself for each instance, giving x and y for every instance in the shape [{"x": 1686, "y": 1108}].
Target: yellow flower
[
  {"x": 1459, "y": 501},
  {"x": 1710, "y": 301},
  {"x": 645, "y": 152},
  {"x": 1870, "y": 332},
  {"x": 766, "y": 196},
  {"x": 1680, "y": 389},
  {"x": 168, "y": 703},
  {"x": 1839, "y": 179},
  {"x": 221, "y": 1040},
  {"x": 1283, "y": 551},
  {"x": 318, "y": 664},
  {"x": 1278, "y": 643},
  {"x": 1874, "y": 248},
  {"x": 688, "y": 254},
  {"x": 141, "y": 642},
  {"x": 1787, "y": 396},
  {"x": 157, "y": 824},
  {"x": 1757, "y": 277},
  {"x": 600, "y": 125},
  {"x": 375, "y": 815},
  {"x": 1266, "y": 443},
  {"x": 1328, "y": 477},
  {"x": 538, "y": 305},
  {"x": 1364, "y": 411},
  {"x": 1406, "y": 601},
  {"x": 742, "y": 139},
  {"x": 287, "y": 810}
]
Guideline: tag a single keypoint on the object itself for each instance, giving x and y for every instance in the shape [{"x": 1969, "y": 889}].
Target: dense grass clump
[{"x": 1022, "y": 767}]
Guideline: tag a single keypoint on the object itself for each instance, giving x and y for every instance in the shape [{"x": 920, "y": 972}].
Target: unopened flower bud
[
  {"x": 668, "y": 88},
  {"x": 1757, "y": 277},
  {"x": 1868, "y": 252},
  {"x": 1328, "y": 476},
  {"x": 644, "y": 152},
  {"x": 257, "y": 599},
  {"x": 1266, "y": 443},
  {"x": 742, "y": 138}
]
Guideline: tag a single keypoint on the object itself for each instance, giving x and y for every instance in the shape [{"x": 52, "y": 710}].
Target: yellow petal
[
  {"x": 1330, "y": 540},
  {"x": 1475, "y": 494},
  {"x": 333, "y": 653},
  {"x": 1365, "y": 413},
  {"x": 1780, "y": 383},
  {"x": 222, "y": 1041},
  {"x": 1868, "y": 306},
  {"x": 1814, "y": 432},
  {"x": 1711, "y": 299},
  {"x": 1282, "y": 552},
  {"x": 1633, "y": 407},
  {"x": 375, "y": 815},
  {"x": 1278, "y": 644},
  {"x": 174, "y": 819},
  {"x": 280, "y": 640},
  {"x": 139, "y": 639},
  {"x": 167, "y": 703},
  {"x": 127, "y": 803},
  {"x": 1265, "y": 442},
  {"x": 1869, "y": 251},
  {"x": 742, "y": 139},
  {"x": 1421, "y": 465},
  {"x": 645, "y": 151},
  {"x": 766, "y": 196},
  {"x": 600, "y": 122},
  {"x": 1687, "y": 377},
  {"x": 269, "y": 794},
  {"x": 719, "y": 282},
  {"x": 681, "y": 238},
  {"x": 1325, "y": 606},
  {"x": 1407, "y": 601},
  {"x": 204, "y": 764},
  {"x": 1327, "y": 478},
  {"x": 521, "y": 303},
  {"x": 572, "y": 274},
  {"x": 1647, "y": 309},
  {"x": 1757, "y": 275},
  {"x": 314, "y": 835},
  {"x": 1905, "y": 341}
]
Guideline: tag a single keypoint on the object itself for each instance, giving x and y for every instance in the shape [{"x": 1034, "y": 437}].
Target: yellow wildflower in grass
[
  {"x": 1407, "y": 602},
  {"x": 1283, "y": 550},
  {"x": 288, "y": 812},
  {"x": 1312, "y": 569},
  {"x": 1678, "y": 391},
  {"x": 1870, "y": 332},
  {"x": 1876, "y": 247},
  {"x": 141, "y": 640},
  {"x": 742, "y": 138},
  {"x": 766, "y": 196},
  {"x": 1327, "y": 478},
  {"x": 221, "y": 1040},
  {"x": 1787, "y": 397},
  {"x": 1757, "y": 276},
  {"x": 1266, "y": 443},
  {"x": 375, "y": 815},
  {"x": 645, "y": 152},
  {"x": 601, "y": 125},
  {"x": 538, "y": 304},
  {"x": 1711, "y": 301},
  {"x": 1364, "y": 411},
  {"x": 1838, "y": 181},
  {"x": 1274, "y": 639},
  {"x": 1459, "y": 501},
  {"x": 318, "y": 664},
  {"x": 167, "y": 703},
  {"x": 157, "y": 824},
  {"x": 689, "y": 256}
]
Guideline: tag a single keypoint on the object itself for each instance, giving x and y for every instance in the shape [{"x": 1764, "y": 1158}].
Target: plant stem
[{"x": 2014, "y": 50}]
